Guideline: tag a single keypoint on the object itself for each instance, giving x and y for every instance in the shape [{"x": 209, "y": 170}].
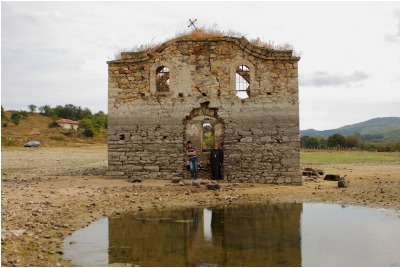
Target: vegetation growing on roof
[
  {"x": 203, "y": 32},
  {"x": 208, "y": 32}
]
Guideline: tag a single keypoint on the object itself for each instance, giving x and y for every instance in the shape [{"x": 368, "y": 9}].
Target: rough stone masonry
[{"x": 162, "y": 97}]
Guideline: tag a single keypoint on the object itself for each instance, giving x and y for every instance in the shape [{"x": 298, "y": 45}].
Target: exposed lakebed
[{"x": 280, "y": 234}]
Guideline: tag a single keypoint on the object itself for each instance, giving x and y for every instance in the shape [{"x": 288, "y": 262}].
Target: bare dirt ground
[{"x": 46, "y": 194}]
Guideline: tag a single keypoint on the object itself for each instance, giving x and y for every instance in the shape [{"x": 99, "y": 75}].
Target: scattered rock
[
  {"x": 18, "y": 232},
  {"x": 311, "y": 178},
  {"x": 332, "y": 177},
  {"x": 342, "y": 184},
  {"x": 231, "y": 197},
  {"x": 136, "y": 180},
  {"x": 176, "y": 180},
  {"x": 203, "y": 182},
  {"x": 312, "y": 172},
  {"x": 213, "y": 187}
]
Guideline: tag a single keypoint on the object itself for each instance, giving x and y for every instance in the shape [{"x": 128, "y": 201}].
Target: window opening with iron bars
[
  {"x": 162, "y": 79},
  {"x": 242, "y": 81}
]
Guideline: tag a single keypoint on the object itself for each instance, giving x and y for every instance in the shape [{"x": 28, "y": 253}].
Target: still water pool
[{"x": 254, "y": 235}]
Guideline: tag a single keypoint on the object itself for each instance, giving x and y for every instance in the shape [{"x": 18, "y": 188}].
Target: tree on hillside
[
  {"x": 89, "y": 128},
  {"x": 32, "y": 108},
  {"x": 353, "y": 141},
  {"x": 46, "y": 110},
  {"x": 16, "y": 118},
  {"x": 66, "y": 112},
  {"x": 100, "y": 119},
  {"x": 336, "y": 140},
  {"x": 83, "y": 113},
  {"x": 23, "y": 113},
  {"x": 70, "y": 111},
  {"x": 309, "y": 142},
  {"x": 322, "y": 141}
]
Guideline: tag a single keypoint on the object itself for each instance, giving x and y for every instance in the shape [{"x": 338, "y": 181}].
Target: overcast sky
[{"x": 55, "y": 53}]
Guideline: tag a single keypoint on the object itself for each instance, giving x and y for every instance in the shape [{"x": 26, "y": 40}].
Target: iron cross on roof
[{"x": 192, "y": 23}]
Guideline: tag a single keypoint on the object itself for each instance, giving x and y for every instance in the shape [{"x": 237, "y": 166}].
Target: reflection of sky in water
[
  {"x": 331, "y": 235},
  {"x": 88, "y": 246},
  {"x": 207, "y": 224},
  {"x": 348, "y": 236}
]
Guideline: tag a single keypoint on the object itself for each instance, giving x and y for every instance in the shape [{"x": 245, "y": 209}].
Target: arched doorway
[{"x": 203, "y": 127}]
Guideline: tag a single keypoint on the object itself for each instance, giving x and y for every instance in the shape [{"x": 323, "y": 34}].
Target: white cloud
[
  {"x": 396, "y": 36},
  {"x": 320, "y": 79}
]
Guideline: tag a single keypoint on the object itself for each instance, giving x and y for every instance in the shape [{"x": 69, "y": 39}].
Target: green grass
[{"x": 347, "y": 157}]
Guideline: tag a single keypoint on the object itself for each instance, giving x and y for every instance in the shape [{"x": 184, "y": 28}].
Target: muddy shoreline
[{"x": 48, "y": 194}]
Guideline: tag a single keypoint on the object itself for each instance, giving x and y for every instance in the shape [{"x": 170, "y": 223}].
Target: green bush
[
  {"x": 89, "y": 132},
  {"x": 69, "y": 133},
  {"x": 24, "y": 114},
  {"x": 336, "y": 140},
  {"x": 53, "y": 124},
  {"x": 90, "y": 129},
  {"x": 16, "y": 118}
]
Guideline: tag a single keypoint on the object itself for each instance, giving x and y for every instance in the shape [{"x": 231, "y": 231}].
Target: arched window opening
[
  {"x": 162, "y": 79},
  {"x": 242, "y": 81}
]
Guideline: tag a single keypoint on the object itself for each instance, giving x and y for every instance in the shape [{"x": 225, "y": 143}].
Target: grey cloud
[
  {"x": 395, "y": 37},
  {"x": 320, "y": 79}
]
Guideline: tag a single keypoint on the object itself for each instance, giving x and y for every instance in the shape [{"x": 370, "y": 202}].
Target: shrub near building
[{"x": 89, "y": 129}]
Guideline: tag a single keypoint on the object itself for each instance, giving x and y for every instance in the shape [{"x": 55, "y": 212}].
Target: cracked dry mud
[{"x": 49, "y": 193}]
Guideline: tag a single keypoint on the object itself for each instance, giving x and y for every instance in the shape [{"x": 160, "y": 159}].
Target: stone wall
[{"x": 259, "y": 134}]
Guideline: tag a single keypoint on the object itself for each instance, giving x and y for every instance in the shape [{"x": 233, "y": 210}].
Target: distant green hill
[{"x": 380, "y": 129}]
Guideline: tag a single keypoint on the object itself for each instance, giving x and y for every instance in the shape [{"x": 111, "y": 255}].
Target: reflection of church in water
[{"x": 267, "y": 235}]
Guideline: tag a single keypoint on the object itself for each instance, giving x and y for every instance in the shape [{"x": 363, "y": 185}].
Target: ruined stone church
[{"x": 222, "y": 89}]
